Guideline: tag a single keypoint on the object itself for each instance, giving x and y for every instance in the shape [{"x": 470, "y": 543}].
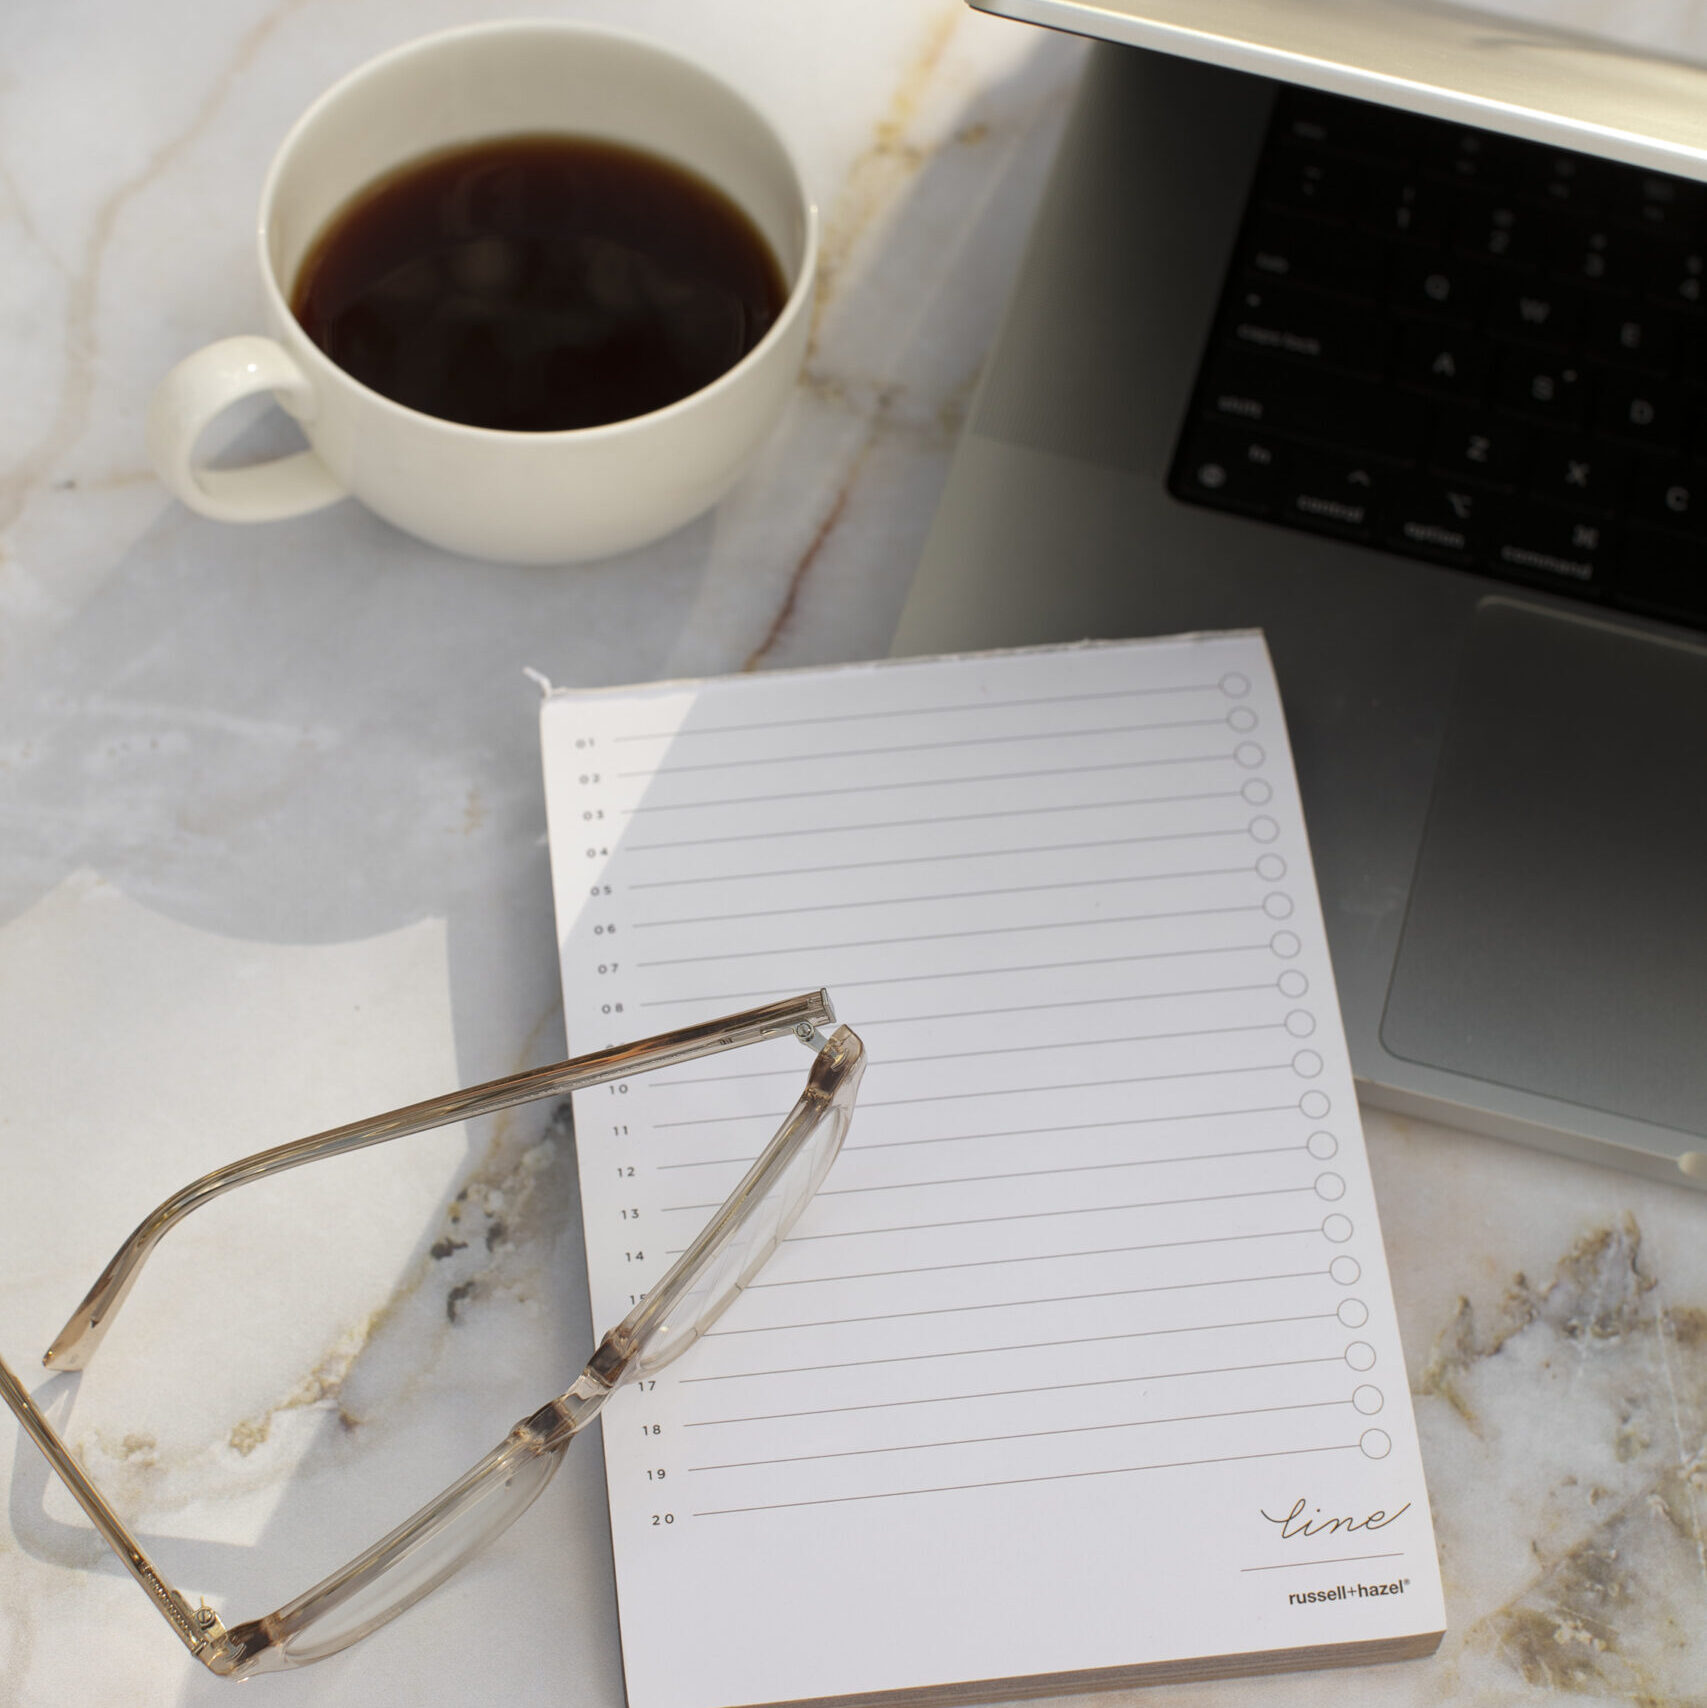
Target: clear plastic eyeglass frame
[{"x": 425, "y": 1550}]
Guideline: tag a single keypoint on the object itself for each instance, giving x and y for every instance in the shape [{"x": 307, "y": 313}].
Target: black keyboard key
[
  {"x": 1671, "y": 207},
  {"x": 1577, "y": 182},
  {"x": 1285, "y": 397},
  {"x": 1632, "y": 333},
  {"x": 1335, "y": 492},
  {"x": 1318, "y": 122},
  {"x": 1314, "y": 119},
  {"x": 1307, "y": 180},
  {"x": 1293, "y": 249},
  {"x": 1497, "y": 227},
  {"x": 1446, "y": 361},
  {"x": 1669, "y": 495},
  {"x": 1676, "y": 273},
  {"x": 1418, "y": 210},
  {"x": 1234, "y": 468},
  {"x": 1472, "y": 445},
  {"x": 1434, "y": 518},
  {"x": 1467, "y": 156},
  {"x": 1602, "y": 255},
  {"x": 1576, "y": 471},
  {"x": 1588, "y": 255},
  {"x": 1641, "y": 409},
  {"x": 1440, "y": 285},
  {"x": 1551, "y": 545},
  {"x": 1285, "y": 321},
  {"x": 1543, "y": 387},
  {"x": 1531, "y": 308},
  {"x": 1664, "y": 575}
]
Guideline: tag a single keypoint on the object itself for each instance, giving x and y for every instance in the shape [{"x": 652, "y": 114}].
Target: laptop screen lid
[{"x": 1614, "y": 93}]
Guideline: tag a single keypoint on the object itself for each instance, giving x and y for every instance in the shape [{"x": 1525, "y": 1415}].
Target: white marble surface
[{"x": 271, "y": 856}]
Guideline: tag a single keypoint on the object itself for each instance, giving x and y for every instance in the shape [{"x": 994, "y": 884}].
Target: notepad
[{"x": 1082, "y": 1369}]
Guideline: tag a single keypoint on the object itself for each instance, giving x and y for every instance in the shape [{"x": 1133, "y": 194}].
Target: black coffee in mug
[{"x": 537, "y": 283}]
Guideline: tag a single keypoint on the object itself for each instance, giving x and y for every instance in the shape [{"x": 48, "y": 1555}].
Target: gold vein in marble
[
  {"x": 77, "y": 388},
  {"x": 1616, "y": 1606},
  {"x": 872, "y": 199}
]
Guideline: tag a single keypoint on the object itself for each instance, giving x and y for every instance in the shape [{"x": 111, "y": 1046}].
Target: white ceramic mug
[{"x": 522, "y": 497}]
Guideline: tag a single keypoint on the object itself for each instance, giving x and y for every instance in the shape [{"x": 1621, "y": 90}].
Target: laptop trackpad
[{"x": 1556, "y": 938}]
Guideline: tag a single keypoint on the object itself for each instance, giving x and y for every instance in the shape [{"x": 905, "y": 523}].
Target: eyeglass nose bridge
[{"x": 558, "y": 1421}]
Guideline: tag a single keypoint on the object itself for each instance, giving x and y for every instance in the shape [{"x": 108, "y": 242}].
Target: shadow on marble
[{"x": 319, "y": 731}]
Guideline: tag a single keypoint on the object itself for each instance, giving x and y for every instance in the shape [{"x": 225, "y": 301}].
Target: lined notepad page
[{"x": 1087, "y": 1340}]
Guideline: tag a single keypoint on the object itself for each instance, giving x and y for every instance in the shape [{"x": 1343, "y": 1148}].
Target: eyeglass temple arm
[
  {"x": 77, "y": 1342},
  {"x": 198, "y": 1629}
]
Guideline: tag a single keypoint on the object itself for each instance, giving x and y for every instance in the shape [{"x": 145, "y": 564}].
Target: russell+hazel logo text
[{"x": 1346, "y": 1592}]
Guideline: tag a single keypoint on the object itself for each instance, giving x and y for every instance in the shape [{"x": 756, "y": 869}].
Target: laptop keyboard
[{"x": 1465, "y": 348}]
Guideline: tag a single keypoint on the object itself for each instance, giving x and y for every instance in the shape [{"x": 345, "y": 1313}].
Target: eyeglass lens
[{"x": 749, "y": 1243}]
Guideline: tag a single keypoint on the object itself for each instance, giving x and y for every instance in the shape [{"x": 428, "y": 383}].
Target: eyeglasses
[{"x": 425, "y": 1550}]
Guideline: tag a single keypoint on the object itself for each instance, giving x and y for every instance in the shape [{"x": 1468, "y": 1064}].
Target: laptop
[{"x": 1380, "y": 328}]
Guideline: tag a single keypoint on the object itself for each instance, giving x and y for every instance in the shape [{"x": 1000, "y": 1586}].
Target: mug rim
[{"x": 305, "y": 349}]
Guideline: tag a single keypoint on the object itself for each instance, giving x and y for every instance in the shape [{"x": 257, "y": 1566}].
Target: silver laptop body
[{"x": 1506, "y": 791}]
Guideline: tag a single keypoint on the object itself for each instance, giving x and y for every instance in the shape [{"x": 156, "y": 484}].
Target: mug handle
[{"x": 195, "y": 392}]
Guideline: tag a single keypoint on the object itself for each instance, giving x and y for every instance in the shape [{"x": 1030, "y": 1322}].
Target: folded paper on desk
[{"x": 1083, "y": 1368}]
